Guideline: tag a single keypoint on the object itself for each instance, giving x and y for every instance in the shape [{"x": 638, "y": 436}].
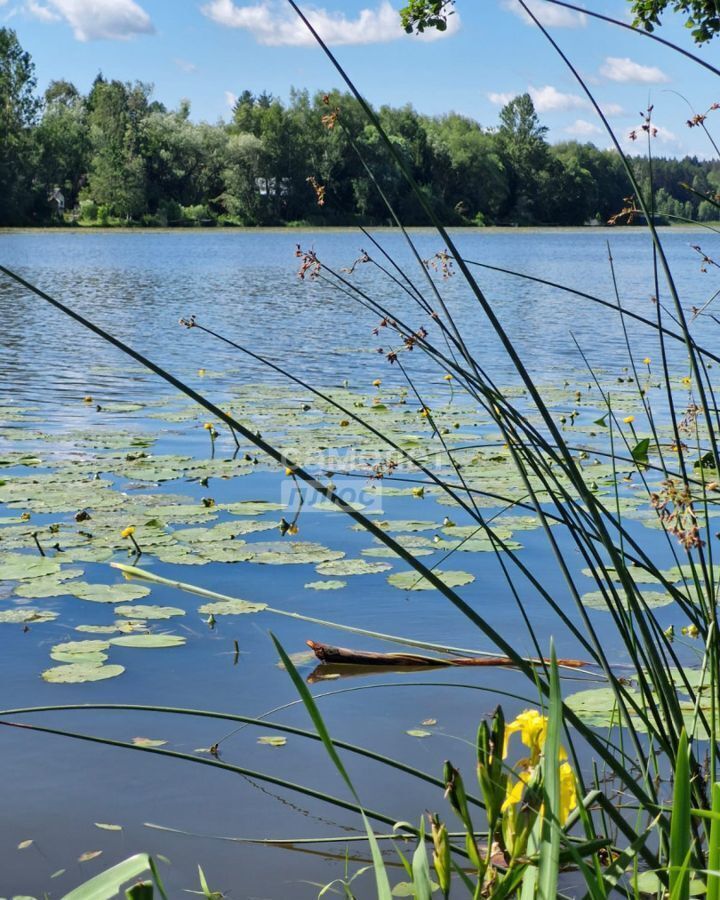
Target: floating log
[{"x": 326, "y": 653}]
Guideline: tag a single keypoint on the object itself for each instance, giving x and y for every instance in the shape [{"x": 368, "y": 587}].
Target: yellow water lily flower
[
  {"x": 447, "y": 377},
  {"x": 628, "y": 420},
  {"x": 687, "y": 380},
  {"x": 377, "y": 382},
  {"x": 289, "y": 471},
  {"x": 647, "y": 361},
  {"x": 127, "y": 532}
]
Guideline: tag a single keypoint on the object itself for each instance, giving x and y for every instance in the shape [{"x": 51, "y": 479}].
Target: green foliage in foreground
[
  {"x": 702, "y": 16},
  {"x": 119, "y": 157}
]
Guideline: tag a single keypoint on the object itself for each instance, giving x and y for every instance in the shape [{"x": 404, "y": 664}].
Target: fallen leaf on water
[
  {"x": 58, "y": 873},
  {"x": 418, "y": 733},
  {"x": 429, "y": 722},
  {"x": 23, "y": 845},
  {"x": 88, "y": 855},
  {"x": 273, "y": 741},
  {"x": 106, "y": 827}
]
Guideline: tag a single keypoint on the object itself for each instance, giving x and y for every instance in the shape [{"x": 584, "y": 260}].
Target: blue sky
[{"x": 209, "y": 50}]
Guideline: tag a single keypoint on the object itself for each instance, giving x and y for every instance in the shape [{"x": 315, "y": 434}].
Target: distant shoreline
[{"x": 348, "y": 229}]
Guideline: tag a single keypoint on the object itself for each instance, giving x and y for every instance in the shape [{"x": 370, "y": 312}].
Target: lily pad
[
  {"x": 413, "y": 581},
  {"x": 326, "y": 585},
  {"x": 26, "y": 614},
  {"x": 652, "y": 599},
  {"x": 149, "y": 612},
  {"x": 344, "y": 567},
  {"x": 21, "y": 566},
  {"x": 231, "y": 607},
  {"x": 148, "y": 640},
  {"x": 270, "y": 741},
  {"x": 77, "y": 673},
  {"x": 108, "y": 593}
]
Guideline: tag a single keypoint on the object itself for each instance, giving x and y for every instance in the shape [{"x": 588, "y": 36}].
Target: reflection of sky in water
[{"x": 244, "y": 285}]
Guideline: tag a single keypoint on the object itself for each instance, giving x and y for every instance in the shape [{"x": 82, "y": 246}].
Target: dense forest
[{"x": 118, "y": 156}]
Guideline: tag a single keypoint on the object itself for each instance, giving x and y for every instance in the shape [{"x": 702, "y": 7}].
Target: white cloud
[
  {"x": 500, "y": 99},
  {"x": 549, "y": 98},
  {"x": 93, "y": 20},
  {"x": 583, "y": 128},
  {"x": 230, "y": 99},
  {"x": 42, "y": 13},
  {"x": 547, "y": 14},
  {"x": 612, "y": 109},
  {"x": 185, "y": 65},
  {"x": 622, "y": 68},
  {"x": 273, "y": 24},
  {"x": 659, "y": 132}
]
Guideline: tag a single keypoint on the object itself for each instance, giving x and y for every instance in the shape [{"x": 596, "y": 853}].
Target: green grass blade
[
  {"x": 109, "y": 883},
  {"x": 550, "y": 835},
  {"x": 381, "y": 878},
  {"x": 680, "y": 826},
  {"x": 422, "y": 883},
  {"x": 713, "y": 861}
]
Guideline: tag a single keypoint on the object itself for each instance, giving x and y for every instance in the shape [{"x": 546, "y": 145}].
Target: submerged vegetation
[{"x": 611, "y": 789}]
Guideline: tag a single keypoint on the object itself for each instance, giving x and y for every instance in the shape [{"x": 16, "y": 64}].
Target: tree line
[{"x": 118, "y": 156}]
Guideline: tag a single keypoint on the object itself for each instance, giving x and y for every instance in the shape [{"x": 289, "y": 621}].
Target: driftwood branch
[{"x": 342, "y": 655}]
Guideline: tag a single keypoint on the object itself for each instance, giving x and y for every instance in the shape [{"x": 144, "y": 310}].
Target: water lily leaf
[
  {"x": 108, "y": 593},
  {"x": 77, "y": 673},
  {"x": 351, "y": 567},
  {"x": 96, "y": 629},
  {"x": 90, "y": 646},
  {"x": 88, "y": 855},
  {"x": 149, "y": 612},
  {"x": 597, "y": 707},
  {"x": 147, "y": 742},
  {"x": 90, "y": 651},
  {"x": 401, "y": 525},
  {"x": 653, "y": 599},
  {"x": 303, "y": 658},
  {"x": 231, "y": 607},
  {"x": 270, "y": 741},
  {"x": 106, "y": 827},
  {"x": 148, "y": 640},
  {"x": 326, "y": 585},
  {"x": 418, "y": 733},
  {"x": 387, "y": 553},
  {"x": 251, "y": 507},
  {"x": 26, "y": 614},
  {"x": 48, "y": 585},
  {"x": 413, "y": 581},
  {"x": 22, "y": 566}
]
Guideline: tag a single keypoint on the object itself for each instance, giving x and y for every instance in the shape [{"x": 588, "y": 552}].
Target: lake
[{"x": 90, "y": 444}]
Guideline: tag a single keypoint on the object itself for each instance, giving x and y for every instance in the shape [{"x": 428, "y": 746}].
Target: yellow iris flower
[{"x": 532, "y": 727}]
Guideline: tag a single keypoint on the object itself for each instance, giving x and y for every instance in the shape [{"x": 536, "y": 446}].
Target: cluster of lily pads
[{"x": 73, "y": 498}]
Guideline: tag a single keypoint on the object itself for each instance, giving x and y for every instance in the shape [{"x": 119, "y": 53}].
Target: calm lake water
[{"x": 244, "y": 285}]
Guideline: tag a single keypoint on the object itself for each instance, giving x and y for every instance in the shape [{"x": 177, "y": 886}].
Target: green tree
[
  {"x": 525, "y": 153},
  {"x": 117, "y": 169},
  {"x": 62, "y": 143},
  {"x": 18, "y": 111},
  {"x": 702, "y": 16}
]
